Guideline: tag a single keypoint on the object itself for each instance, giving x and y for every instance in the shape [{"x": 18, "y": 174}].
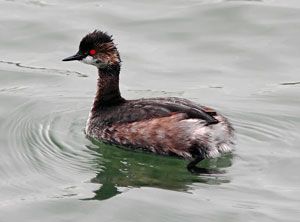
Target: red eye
[{"x": 92, "y": 52}]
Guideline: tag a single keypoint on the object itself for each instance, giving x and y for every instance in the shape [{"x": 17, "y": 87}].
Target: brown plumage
[{"x": 166, "y": 126}]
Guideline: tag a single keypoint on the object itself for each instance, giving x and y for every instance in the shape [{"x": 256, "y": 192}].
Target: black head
[{"x": 97, "y": 48}]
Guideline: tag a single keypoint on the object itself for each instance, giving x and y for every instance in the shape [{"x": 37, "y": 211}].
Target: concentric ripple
[{"x": 46, "y": 145}]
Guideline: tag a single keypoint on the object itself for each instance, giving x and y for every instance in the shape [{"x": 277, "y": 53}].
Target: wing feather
[{"x": 144, "y": 109}]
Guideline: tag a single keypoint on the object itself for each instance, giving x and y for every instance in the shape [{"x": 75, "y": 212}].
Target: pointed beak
[{"x": 77, "y": 56}]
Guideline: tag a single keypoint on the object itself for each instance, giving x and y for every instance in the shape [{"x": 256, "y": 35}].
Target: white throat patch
[
  {"x": 89, "y": 60},
  {"x": 92, "y": 61}
]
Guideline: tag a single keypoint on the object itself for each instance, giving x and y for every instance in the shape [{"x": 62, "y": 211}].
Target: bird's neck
[{"x": 108, "y": 92}]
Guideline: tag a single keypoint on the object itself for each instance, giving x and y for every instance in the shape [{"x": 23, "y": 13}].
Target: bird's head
[{"x": 97, "y": 48}]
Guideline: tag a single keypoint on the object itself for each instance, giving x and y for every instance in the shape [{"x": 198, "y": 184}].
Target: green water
[{"x": 240, "y": 57}]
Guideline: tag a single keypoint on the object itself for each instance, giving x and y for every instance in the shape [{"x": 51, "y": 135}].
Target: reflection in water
[{"x": 119, "y": 168}]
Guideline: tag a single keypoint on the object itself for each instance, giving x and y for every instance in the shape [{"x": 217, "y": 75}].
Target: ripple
[
  {"x": 39, "y": 69},
  {"x": 40, "y": 140},
  {"x": 289, "y": 83}
]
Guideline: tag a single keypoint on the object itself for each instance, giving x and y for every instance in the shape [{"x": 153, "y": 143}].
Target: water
[{"x": 241, "y": 57}]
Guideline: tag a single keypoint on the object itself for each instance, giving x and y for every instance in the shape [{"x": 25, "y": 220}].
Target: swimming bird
[{"x": 168, "y": 126}]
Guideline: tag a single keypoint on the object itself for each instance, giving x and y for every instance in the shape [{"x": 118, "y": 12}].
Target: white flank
[{"x": 215, "y": 137}]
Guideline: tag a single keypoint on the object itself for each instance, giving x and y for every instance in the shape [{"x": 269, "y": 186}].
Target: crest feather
[{"x": 94, "y": 38}]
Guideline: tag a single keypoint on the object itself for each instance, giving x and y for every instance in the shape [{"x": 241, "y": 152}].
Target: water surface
[{"x": 240, "y": 57}]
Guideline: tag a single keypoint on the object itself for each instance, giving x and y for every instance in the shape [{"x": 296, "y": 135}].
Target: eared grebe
[{"x": 167, "y": 126}]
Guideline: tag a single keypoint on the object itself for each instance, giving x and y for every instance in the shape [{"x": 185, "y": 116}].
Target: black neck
[{"x": 108, "y": 92}]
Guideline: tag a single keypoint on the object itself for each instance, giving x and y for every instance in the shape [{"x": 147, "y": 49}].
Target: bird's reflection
[{"x": 118, "y": 168}]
